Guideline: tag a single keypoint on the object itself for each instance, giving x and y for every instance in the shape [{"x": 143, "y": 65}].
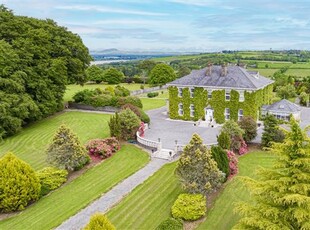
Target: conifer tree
[
  {"x": 197, "y": 170},
  {"x": 66, "y": 151},
  {"x": 271, "y": 133},
  {"x": 281, "y": 194},
  {"x": 115, "y": 126},
  {"x": 19, "y": 184},
  {"x": 221, "y": 158}
]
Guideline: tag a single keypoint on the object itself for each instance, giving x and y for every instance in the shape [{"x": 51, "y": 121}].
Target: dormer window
[
  {"x": 180, "y": 91},
  {"x": 227, "y": 95}
]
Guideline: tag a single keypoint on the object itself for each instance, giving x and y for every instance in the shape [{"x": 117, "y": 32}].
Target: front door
[{"x": 209, "y": 115}]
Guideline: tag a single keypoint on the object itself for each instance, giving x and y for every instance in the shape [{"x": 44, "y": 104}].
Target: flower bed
[{"x": 102, "y": 148}]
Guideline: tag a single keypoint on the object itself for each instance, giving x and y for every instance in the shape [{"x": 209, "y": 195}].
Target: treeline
[{"x": 37, "y": 59}]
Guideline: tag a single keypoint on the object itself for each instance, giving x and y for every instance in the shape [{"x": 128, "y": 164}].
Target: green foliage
[
  {"x": 249, "y": 126},
  {"x": 234, "y": 132},
  {"x": 285, "y": 92},
  {"x": 66, "y": 151},
  {"x": 304, "y": 98},
  {"x": 220, "y": 156},
  {"x": 113, "y": 76},
  {"x": 152, "y": 94},
  {"x": 139, "y": 112},
  {"x": 197, "y": 170},
  {"x": 83, "y": 95},
  {"x": 99, "y": 222},
  {"x": 51, "y": 178},
  {"x": 146, "y": 66},
  {"x": 115, "y": 126},
  {"x": 224, "y": 140},
  {"x": 37, "y": 58},
  {"x": 281, "y": 194},
  {"x": 94, "y": 73},
  {"x": 161, "y": 74},
  {"x": 170, "y": 224},
  {"x": 121, "y": 91},
  {"x": 271, "y": 132},
  {"x": 19, "y": 184},
  {"x": 130, "y": 100},
  {"x": 129, "y": 123},
  {"x": 183, "y": 71},
  {"x": 189, "y": 206}
]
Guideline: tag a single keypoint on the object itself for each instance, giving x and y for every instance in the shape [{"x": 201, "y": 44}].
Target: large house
[{"x": 219, "y": 93}]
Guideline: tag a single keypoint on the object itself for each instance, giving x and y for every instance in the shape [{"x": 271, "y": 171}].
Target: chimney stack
[
  {"x": 209, "y": 70},
  {"x": 224, "y": 69}
]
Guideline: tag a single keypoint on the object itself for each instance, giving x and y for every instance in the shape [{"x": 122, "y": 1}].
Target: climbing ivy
[
  {"x": 200, "y": 102},
  {"x": 186, "y": 100},
  {"x": 217, "y": 103}
]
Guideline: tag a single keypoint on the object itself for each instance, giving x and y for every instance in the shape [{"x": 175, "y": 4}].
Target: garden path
[{"x": 112, "y": 197}]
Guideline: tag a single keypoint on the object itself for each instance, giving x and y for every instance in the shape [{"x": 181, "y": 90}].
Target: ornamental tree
[
  {"x": 220, "y": 156},
  {"x": 99, "y": 221},
  {"x": 19, "y": 184},
  {"x": 223, "y": 140},
  {"x": 115, "y": 126},
  {"x": 197, "y": 170},
  {"x": 129, "y": 123},
  {"x": 66, "y": 151},
  {"x": 249, "y": 126},
  {"x": 281, "y": 194},
  {"x": 162, "y": 74},
  {"x": 234, "y": 132}
]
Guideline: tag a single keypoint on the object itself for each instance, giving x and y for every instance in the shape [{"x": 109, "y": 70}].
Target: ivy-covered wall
[{"x": 251, "y": 104}]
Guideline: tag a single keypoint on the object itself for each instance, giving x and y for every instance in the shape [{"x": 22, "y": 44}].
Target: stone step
[{"x": 166, "y": 154}]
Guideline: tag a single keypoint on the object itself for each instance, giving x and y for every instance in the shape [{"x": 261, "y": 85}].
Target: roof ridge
[{"x": 249, "y": 76}]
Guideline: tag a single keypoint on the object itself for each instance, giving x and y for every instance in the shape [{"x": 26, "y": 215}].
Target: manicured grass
[
  {"x": 30, "y": 144},
  {"x": 55, "y": 208},
  {"x": 72, "y": 89},
  {"x": 221, "y": 216},
  {"x": 149, "y": 204},
  {"x": 298, "y": 72},
  {"x": 152, "y": 103}
]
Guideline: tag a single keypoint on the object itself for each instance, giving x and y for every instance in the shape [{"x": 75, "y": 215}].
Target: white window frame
[
  {"x": 210, "y": 94},
  {"x": 191, "y": 90},
  {"x": 227, "y": 95},
  {"x": 192, "y": 110},
  {"x": 180, "y": 111},
  {"x": 180, "y": 92},
  {"x": 241, "y": 95},
  {"x": 239, "y": 114},
  {"x": 227, "y": 114}
]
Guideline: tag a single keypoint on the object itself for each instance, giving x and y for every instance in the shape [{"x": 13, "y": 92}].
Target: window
[
  {"x": 209, "y": 94},
  {"x": 192, "y": 92},
  {"x": 192, "y": 110},
  {"x": 181, "y": 109},
  {"x": 240, "y": 114},
  {"x": 241, "y": 95},
  {"x": 227, "y": 95},
  {"x": 227, "y": 114},
  {"x": 180, "y": 90}
]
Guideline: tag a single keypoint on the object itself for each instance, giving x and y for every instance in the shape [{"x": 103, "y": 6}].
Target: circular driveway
[{"x": 171, "y": 130}]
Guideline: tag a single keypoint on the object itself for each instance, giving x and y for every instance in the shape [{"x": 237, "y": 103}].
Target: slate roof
[
  {"x": 282, "y": 106},
  {"x": 236, "y": 78}
]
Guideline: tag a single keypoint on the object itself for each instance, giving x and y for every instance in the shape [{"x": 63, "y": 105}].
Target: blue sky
[{"x": 178, "y": 25}]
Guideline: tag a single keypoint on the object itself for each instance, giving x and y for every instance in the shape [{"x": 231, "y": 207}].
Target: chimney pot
[
  {"x": 209, "y": 70},
  {"x": 224, "y": 69}
]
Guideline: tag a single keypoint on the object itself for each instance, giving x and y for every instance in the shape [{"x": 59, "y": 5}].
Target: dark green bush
[
  {"x": 83, "y": 95},
  {"x": 152, "y": 94},
  {"x": 130, "y": 100},
  {"x": 121, "y": 91},
  {"x": 101, "y": 100},
  {"x": 170, "y": 224},
  {"x": 129, "y": 123},
  {"x": 220, "y": 156},
  {"x": 189, "y": 206},
  {"x": 139, "y": 112},
  {"x": 51, "y": 178},
  {"x": 224, "y": 140}
]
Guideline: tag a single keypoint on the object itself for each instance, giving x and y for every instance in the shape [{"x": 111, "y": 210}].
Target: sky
[{"x": 178, "y": 25}]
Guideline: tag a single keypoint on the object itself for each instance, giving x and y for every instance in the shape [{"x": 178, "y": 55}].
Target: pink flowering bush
[
  {"x": 103, "y": 148},
  {"x": 233, "y": 163},
  {"x": 243, "y": 148}
]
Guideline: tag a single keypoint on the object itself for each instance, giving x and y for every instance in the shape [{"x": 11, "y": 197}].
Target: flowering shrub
[
  {"x": 103, "y": 147},
  {"x": 233, "y": 163},
  {"x": 243, "y": 148}
]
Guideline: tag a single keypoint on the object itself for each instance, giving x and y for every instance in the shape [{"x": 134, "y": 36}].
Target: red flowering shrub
[
  {"x": 233, "y": 163},
  {"x": 103, "y": 147},
  {"x": 243, "y": 148}
]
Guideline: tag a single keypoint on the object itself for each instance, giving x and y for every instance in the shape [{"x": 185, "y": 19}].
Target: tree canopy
[
  {"x": 113, "y": 76},
  {"x": 37, "y": 59},
  {"x": 162, "y": 74}
]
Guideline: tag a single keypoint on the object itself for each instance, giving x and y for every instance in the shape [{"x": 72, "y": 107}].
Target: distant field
[
  {"x": 180, "y": 57},
  {"x": 265, "y": 72},
  {"x": 300, "y": 65},
  {"x": 72, "y": 89},
  {"x": 298, "y": 72},
  {"x": 273, "y": 65},
  {"x": 30, "y": 144}
]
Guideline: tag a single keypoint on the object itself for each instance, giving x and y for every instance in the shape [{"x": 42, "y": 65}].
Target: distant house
[
  {"x": 219, "y": 93},
  {"x": 282, "y": 110}
]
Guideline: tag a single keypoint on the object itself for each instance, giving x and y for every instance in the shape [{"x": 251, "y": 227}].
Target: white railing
[
  {"x": 149, "y": 143},
  {"x": 179, "y": 148}
]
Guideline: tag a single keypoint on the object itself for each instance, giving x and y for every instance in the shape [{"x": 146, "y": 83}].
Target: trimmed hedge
[
  {"x": 152, "y": 94},
  {"x": 170, "y": 224},
  {"x": 189, "y": 206},
  {"x": 220, "y": 156}
]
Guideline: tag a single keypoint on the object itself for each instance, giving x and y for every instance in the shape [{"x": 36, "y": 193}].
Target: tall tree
[
  {"x": 271, "y": 132},
  {"x": 249, "y": 126},
  {"x": 281, "y": 194},
  {"x": 162, "y": 74},
  {"x": 95, "y": 73},
  {"x": 113, "y": 76},
  {"x": 197, "y": 170}
]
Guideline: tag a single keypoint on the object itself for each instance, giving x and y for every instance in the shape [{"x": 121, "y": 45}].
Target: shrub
[
  {"x": 103, "y": 147},
  {"x": 130, "y": 100},
  {"x": 66, "y": 151},
  {"x": 19, "y": 184},
  {"x": 243, "y": 148},
  {"x": 189, "y": 206},
  {"x": 51, "y": 178},
  {"x": 100, "y": 100},
  {"x": 220, "y": 156},
  {"x": 233, "y": 163},
  {"x": 248, "y": 124},
  {"x": 99, "y": 222},
  {"x": 129, "y": 123},
  {"x": 115, "y": 126},
  {"x": 170, "y": 224},
  {"x": 141, "y": 86},
  {"x": 271, "y": 132},
  {"x": 152, "y": 94},
  {"x": 234, "y": 132},
  {"x": 121, "y": 91},
  {"x": 224, "y": 140},
  {"x": 83, "y": 96},
  {"x": 162, "y": 74},
  {"x": 139, "y": 112},
  {"x": 113, "y": 76}
]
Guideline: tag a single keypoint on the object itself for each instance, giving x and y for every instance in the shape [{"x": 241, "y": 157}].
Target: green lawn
[
  {"x": 221, "y": 216},
  {"x": 152, "y": 103},
  {"x": 72, "y": 89},
  {"x": 55, "y": 208},
  {"x": 265, "y": 72},
  {"x": 298, "y": 72},
  {"x": 30, "y": 144},
  {"x": 149, "y": 204}
]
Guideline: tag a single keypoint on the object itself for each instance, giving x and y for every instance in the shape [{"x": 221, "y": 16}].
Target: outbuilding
[{"x": 282, "y": 110}]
